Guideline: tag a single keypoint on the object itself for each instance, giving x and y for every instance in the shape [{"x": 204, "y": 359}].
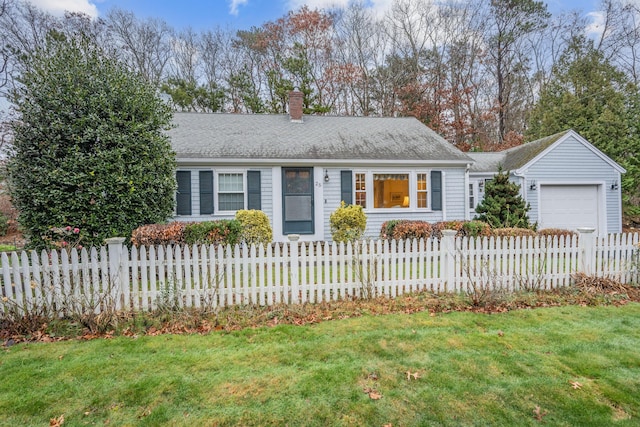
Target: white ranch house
[{"x": 297, "y": 170}]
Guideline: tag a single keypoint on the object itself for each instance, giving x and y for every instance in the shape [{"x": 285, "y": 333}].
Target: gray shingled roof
[
  {"x": 513, "y": 158},
  {"x": 261, "y": 136},
  {"x": 486, "y": 161}
]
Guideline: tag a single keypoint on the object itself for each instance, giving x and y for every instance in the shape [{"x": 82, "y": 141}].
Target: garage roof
[{"x": 519, "y": 157}]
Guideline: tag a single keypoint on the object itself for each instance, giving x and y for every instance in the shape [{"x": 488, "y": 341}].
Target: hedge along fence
[{"x": 115, "y": 277}]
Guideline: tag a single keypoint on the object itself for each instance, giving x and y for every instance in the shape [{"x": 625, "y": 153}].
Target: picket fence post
[
  {"x": 586, "y": 250},
  {"x": 448, "y": 258},
  {"x": 114, "y": 245},
  {"x": 293, "y": 253}
]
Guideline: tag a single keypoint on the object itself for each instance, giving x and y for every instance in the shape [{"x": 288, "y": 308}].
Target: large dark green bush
[
  {"x": 90, "y": 149},
  {"x": 4, "y": 224}
]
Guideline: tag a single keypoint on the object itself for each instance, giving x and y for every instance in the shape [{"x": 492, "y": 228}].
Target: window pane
[
  {"x": 361, "y": 190},
  {"x": 230, "y": 182},
  {"x": 422, "y": 200},
  {"x": 422, "y": 190},
  {"x": 391, "y": 190},
  {"x": 298, "y": 208},
  {"x": 230, "y": 201},
  {"x": 422, "y": 182}
]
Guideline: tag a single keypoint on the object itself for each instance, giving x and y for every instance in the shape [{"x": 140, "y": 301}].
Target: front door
[{"x": 297, "y": 200}]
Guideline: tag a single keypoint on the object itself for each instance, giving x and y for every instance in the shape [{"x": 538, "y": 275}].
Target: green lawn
[{"x": 577, "y": 365}]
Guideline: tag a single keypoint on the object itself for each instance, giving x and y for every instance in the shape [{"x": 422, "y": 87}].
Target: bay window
[{"x": 396, "y": 190}]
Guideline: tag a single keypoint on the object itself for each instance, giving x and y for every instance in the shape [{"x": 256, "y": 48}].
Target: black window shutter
[
  {"x": 183, "y": 195},
  {"x": 206, "y": 192},
  {"x": 346, "y": 187},
  {"x": 254, "y": 190},
  {"x": 436, "y": 190}
]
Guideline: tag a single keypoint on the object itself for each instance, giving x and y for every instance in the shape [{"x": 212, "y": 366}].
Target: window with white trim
[
  {"x": 361, "y": 189},
  {"x": 230, "y": 191},
  {"x": 392, "y": 190},
  {"x": 422, "y": 190}
]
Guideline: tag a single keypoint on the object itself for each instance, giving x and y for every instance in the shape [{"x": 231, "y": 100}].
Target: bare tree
[
  {"x": 509, "y": 21},
  {"x": 619, "y": 37},
  {"x": 4, "y": 54},
  {"x": 360, "y": 51},
  {"x": 186, "y": 58},
  {"x": 210, "y": 48},
  {"x": 146, "y": 46},
  {"x": 23, "y": 29}
]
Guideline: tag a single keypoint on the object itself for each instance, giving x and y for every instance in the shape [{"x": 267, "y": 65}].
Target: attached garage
[
  {"x": 569, "y": 206},
  {"x": 567, "y": 182}
]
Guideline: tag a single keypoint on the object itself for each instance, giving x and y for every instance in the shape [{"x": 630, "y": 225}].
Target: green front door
[{"x": 297, "y": 200}]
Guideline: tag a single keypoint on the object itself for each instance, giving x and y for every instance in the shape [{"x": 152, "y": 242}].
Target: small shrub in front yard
[
  {"x": 405, "y": 230},
  {"x": 348, "y": 223},
  {"x": 159, "y": 234},
  {"x": 386, "y": 230},
  {"x": 476, "y": 228},
  {"x": 456, "y": 225},
  {"x": 557, "y": 232},
  {"x": 256, "y": 227},
  {"x": 513, "y": 232},
  {"x": 223, "y": 231}
]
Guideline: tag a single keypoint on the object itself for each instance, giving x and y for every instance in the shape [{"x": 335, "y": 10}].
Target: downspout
[{"x": 523, "y": 184}]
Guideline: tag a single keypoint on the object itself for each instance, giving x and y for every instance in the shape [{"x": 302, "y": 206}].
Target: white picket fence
[{"x": 148, "y": 278}]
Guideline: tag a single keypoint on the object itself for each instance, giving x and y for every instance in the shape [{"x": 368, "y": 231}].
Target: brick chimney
[{"x": 295, "y": 106}]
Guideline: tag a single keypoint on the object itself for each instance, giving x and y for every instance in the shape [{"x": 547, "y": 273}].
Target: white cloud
[
  {"x": 58, "y": 7},
  {"x": 234, "y": 4},
  {"x": 596, "y": 25}
]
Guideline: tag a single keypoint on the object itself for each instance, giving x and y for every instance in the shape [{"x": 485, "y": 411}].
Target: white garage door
[{"x": 568, "y": 206}]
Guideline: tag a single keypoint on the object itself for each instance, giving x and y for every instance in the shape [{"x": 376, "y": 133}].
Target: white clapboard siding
[{"x": 208, "y": 276}]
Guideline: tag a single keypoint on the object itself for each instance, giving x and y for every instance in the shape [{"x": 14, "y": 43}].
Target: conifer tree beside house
[
  {"x": 503, "y": 206},
  {"x": 90, "y": 152}
]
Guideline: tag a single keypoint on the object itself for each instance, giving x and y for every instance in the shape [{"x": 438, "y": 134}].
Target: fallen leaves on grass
[
  {"x": 56, "y": 422},
  {"x": 539, "y": 414},
  {"x": 373, "y": 394},
  {"x": 193, "y": 321},
  {"x": 145, "y": 413},
  {"x": 415, "y": 375}
]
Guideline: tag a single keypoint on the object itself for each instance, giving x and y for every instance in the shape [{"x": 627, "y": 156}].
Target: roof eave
[{"x": 321, "y": 162}]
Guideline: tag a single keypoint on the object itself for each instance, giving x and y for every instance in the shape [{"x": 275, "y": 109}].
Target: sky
[{"x": 239, "y": 14}]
